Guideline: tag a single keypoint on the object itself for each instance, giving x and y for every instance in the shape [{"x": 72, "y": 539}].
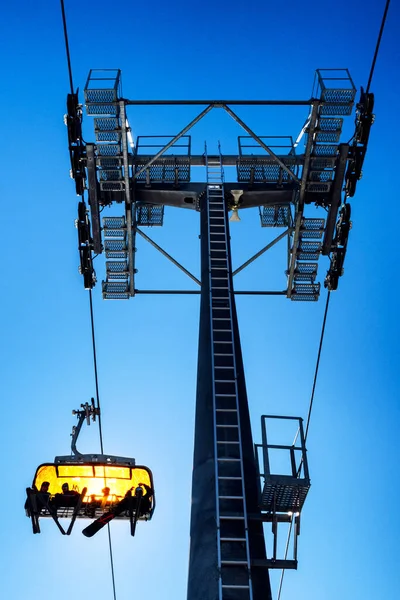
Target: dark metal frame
[
  {"x": 304, "y": 160},
  {"x": 299, "y": 184},
  {"x": 277, "y": 514}
]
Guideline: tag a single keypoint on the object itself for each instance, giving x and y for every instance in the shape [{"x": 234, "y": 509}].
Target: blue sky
[{"x": 147, "y": 347}]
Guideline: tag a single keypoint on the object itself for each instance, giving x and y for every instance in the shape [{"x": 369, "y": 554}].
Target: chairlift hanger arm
[{"x": 88, "y": 412}]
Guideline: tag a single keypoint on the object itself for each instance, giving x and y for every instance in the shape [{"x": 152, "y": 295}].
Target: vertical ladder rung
[
  {"x": 235, "y": 587},
  {"x": 227, "y": 476}
]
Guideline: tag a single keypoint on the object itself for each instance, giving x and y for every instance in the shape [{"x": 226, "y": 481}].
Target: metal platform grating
[
  {"x": 110, "y": 175},
  {"x": 110, "y": 136},
  {"x": 308, "y": 250},
  {"x": 111, "y": 186},
  {"x": 117, "y": 270},
  {"x": 325, "y": 150},
  {"x": 119, "y": 267},
  {"x": 306, "y": 268},
  {"x": 108, "y": 150},
  {"x": 116, "y": 253},
  {"x": 322, "y": 163},
  {"x": 109, "y": 163},
  {"x": 304, "y": 277},
  {"x": 102, "y": 109},
  {"x": 307, "y": 234},
  {"x": 327, "y": 136},
  {"x": 338, "y": 95},
  {"x": 250, "y": 170},
  {"x": 114, "y": 233},
  {"x": 304, "y": 297},
  {"x": 114, "y": 222},
  {"x": 305, "y": 272},
  {"x": 100, "y": 95},
  {"x": 115, "y": 296},
  {"x": 116, "y": 276},
  {"x": 343, "y": 110},
  {"x": 275, "y": 216},
  {"x": 306, "y": 292},
  {"x": 313, "y": 224},
  {"x": 285, "y": 498},
  {"x": 167, "y": 171},
  {"x": 321, "y": 176},
  {"x": 150, "y": 215},
  {"x": 330, "y": 124},
  {"x": 318, "y": 187},
  {"x": 118, "y": 287},
  {"x": 307, "y": 288},
  {"x": 101, "y": 90},
  {"x": 308, "y": 255},
  {"x": 309, "y": 246},
  {"x": 110, "y": 124},
  {"x": 115, "y": 245},
  {"x": 335, "y": 85}
]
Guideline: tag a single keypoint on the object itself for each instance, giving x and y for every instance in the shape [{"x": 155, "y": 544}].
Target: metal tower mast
[
  {"x": 227, "y": 538},
  {"x": 230, "y": 504}
]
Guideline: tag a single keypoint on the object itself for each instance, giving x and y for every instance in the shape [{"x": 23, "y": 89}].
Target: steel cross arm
[
  {"x": 172, "y": 142},
  {"x": 169, "y": 292},
  {"x": 237, "y": 292},
  {"x": 128, "y": 200},
  {"x": 216, "y": 102},
  {"x": 267, "y": 247},
  {"x": 300, "y": 204},
  {"x": 164, "y": 253},
  {"x": 260, "y": 293},
  {"x": 262, "y": 144}
]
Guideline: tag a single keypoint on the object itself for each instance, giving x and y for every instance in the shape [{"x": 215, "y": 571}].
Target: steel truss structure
[
  {"x": 281, "y": 183},
  {"x": 228, "y": 558}
]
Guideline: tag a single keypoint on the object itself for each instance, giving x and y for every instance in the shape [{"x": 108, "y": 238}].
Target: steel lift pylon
[{"x": 233, "y": 496}]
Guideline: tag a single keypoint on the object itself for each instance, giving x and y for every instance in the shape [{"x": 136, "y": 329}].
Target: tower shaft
[{"x": 227, "y": 548}]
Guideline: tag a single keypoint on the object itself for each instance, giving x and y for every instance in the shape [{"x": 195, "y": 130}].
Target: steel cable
[
  {"x": 317, "y": 367},
  {"x": 310, "y": 407},
  {"x": 371, "y": 73},
  {"x": 96, "y": 378},
  {"x": 71, "y": 83},
  {"x": 91, "y": 313},
  {"x": 377, "y": 46}
]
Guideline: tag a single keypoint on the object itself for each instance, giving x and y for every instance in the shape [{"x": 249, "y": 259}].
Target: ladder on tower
[{"x": 232, "y": 530}]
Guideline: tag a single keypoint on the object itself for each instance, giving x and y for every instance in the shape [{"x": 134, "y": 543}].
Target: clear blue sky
[{"x": 147, "y": 347}]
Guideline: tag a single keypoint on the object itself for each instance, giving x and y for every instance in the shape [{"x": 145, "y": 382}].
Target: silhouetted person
[
  {"x": 106, "y": 496},
  {"x": 67, "y": 498},
  {"x": 67, "y": 492},
  {"x": 146, "y": 501},
  {"x": 37, "y": 499}
]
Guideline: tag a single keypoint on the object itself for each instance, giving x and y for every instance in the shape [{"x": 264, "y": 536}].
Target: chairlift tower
[{"x": 232, "y": 494}]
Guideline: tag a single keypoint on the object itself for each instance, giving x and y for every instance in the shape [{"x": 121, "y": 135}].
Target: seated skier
[{"x": 67, "y": 498}]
